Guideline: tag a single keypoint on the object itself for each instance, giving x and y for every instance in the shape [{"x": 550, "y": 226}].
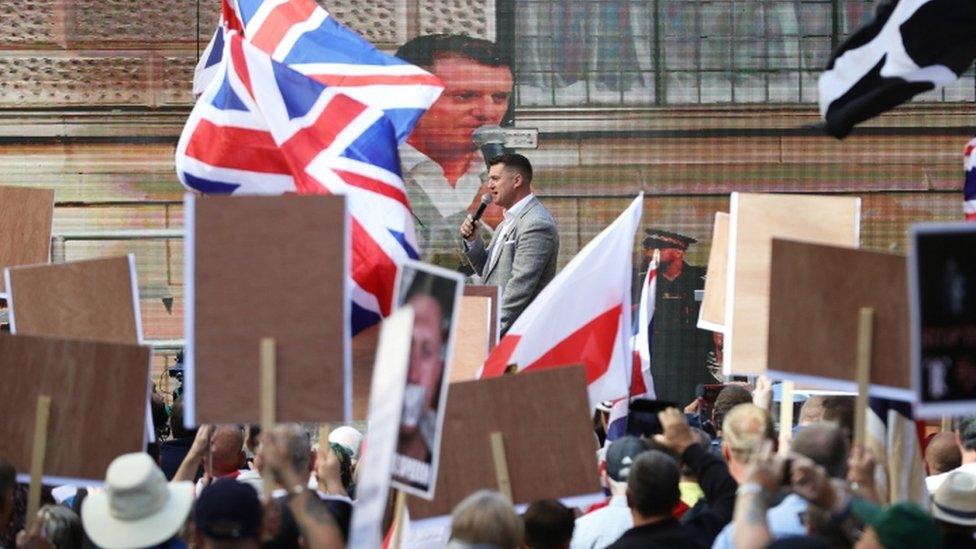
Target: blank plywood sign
[
  {"x": 98, "y": 403},
  {"x": 815, "y": 294},
  {"x": 754, "y": 220},
  {"x": 94, "y": 300},
  {"x": 266, "y": 266},
  {"x": 711, "y": 316},
  {"x": 25, "y": 226},
  {"x": 546, "y": 458}
]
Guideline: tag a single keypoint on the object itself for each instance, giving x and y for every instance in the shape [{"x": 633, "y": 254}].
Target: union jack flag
[
  {"x": 302, "y": 35},
  {"x": 276, "y": 130},
  {"x": 641, "y": 380},
  {"x": 969, "y": 189}
]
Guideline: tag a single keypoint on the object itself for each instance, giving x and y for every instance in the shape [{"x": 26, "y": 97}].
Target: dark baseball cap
[
  {"x": 228, "y": 510},
  {"x": 621, "y": 455},
  {"x": 903, "y": 525}
]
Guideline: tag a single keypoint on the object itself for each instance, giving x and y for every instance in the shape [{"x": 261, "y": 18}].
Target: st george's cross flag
[
  {"x": 582, "y": 316},
  {"x": 302, "y": 35},
  {"x": 286, "y": 132},
  {"x": 911, "y": 46}
]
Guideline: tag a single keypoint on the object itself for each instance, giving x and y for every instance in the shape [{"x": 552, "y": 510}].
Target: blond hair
[{"x": 744, "y": 428}]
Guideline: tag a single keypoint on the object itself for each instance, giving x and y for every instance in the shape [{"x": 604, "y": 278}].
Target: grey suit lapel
[{"x": 493, "y": 258}]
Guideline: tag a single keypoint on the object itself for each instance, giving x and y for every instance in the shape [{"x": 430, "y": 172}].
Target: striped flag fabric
[
  {"x": 302, "y": 35},
  {"x": 911, "y": 46},
  {"x": 969, "y": 188},
  {"x": 641, "y": 380},
  {"x": 582, "y": 316},
  {"x": 617, "y": 421},
  {"x": 264, "y": 128},
  {"x": 896, "y": 439}
]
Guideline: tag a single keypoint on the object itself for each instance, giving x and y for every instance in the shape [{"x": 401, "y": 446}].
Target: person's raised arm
[{"x": 198, "y": 450}]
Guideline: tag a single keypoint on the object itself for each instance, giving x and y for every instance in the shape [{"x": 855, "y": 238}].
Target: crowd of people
[{"x": 717, "y": 481}]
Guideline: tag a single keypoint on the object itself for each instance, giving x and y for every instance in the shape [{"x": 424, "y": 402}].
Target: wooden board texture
[
  {"x": 755, "y": 219},
  {"x": 98, "y": 402},
  {"x": 712, "y": 312},
  {"x": 546, "y": 459},
  {"x": 269, "y": 267},
  {"x": 815, "y": 294},
  {"x": 26, "y": 215},
  {"x": 88, "y": 300}
]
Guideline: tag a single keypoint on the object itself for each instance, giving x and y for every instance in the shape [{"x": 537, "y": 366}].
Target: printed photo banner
[
  {"x": 942, "y": 289},
  {"x": 434, "y": 295}
]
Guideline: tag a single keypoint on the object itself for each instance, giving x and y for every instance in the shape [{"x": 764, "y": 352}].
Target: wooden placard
[
  {"x": 492, "y": 293},
  {"x": 364, "y": 346},
  {"x": 26, "y": 216},
  {"x": 98, "y": 400},
  {"x": 815, "y": 296},
  {"x": 257, "y": 267},
  {"x": 754, "y": 220},
  {"x": 711, "y": 315},
  {"x": 92, "y": 300},
  {"x": 546, "y": 457},
  {"x": 472, "y": 341}
]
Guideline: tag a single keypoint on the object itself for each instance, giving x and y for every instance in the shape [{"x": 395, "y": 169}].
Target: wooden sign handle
[
  {"x": 399, "y": 514},
  {"x": 785, "y": 417},
  {"x": 268, "y": 392},
  {"x": 501, "y": 465},
  {"x": 38, "y": 451},
  {"x": 865, "y": 331}
]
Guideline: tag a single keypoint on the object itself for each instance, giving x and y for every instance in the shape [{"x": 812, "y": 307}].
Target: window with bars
[{"x": 682, "y": 52}]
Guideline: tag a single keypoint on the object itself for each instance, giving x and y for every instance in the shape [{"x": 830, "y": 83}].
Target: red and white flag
[
  {"x": 641, "y": 381},
  {"x": 582, "y": 316}
]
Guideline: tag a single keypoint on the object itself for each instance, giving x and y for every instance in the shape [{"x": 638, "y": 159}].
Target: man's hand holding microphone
[{"x": 471, "y": 223}]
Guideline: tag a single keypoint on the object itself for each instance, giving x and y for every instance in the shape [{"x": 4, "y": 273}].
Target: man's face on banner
[
  {"x": 474, "y": 95},
  {"x": 426, "y": 351}
]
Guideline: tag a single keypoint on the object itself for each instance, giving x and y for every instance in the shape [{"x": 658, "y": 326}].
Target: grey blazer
[{"x": 525, "y": 263}]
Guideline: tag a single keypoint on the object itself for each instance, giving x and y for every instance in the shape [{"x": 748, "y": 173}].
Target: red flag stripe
[
  {"x": 308, "y": 142},
  {"x": 279, "y": 22},
  {"x": 374, "y": 185},
  {"x": 236, "y": 148},
  {"x": 240, "y": 64},
  {"x": 376, "y": 80},
  {"x": 590, "y": 345},
  {"x": 372, "y": 269}
]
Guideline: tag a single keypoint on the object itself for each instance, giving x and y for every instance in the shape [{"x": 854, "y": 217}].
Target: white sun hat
[
  {"x": 138, "y": 508},
  {"x": 955, "y": 500},
  {"x": 347, "y": 437}
]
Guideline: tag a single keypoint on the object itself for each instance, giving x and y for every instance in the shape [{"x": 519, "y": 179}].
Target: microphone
[
  {"x": 485, "y": 200},
  {"x": 490, "y": 139}
]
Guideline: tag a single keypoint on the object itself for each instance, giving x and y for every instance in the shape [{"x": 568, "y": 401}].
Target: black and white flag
[{"x": 911, "y": 46}]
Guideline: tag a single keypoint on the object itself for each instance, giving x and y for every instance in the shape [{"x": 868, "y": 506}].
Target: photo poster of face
[
  {"x": 435, "y": 296},
  {"x": 942, "y": 288}
]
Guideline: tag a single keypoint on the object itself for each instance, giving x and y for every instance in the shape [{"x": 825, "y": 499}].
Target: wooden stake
[
  {"x": 865, "y": 332},
  {"x": 785, "y": 417},
  {"x": 38, "y": 451},
  {"x": 399, "y": 507},
  {"x": 946, "y": 424},
  {"x": 501, "y": 465},
  {"x": 268, "y": 392}
]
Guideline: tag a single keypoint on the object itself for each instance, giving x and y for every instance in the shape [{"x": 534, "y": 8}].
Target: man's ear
[{"x": 726, "y": 453}]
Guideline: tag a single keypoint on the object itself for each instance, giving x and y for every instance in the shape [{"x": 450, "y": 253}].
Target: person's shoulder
[{"x": 537, "y": 215}]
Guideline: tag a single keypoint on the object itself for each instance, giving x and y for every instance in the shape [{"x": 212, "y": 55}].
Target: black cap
[
  {"x": 621, "y": 455},
  {"x": 228, "y": 510},
  {"x": 660, "y": 239}
]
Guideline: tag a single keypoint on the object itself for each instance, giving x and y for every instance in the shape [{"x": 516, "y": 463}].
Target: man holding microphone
[{"x": 521, "y": 257}]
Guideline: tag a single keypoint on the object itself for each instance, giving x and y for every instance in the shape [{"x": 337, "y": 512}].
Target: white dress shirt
[{"x": 509, "y": 219}]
